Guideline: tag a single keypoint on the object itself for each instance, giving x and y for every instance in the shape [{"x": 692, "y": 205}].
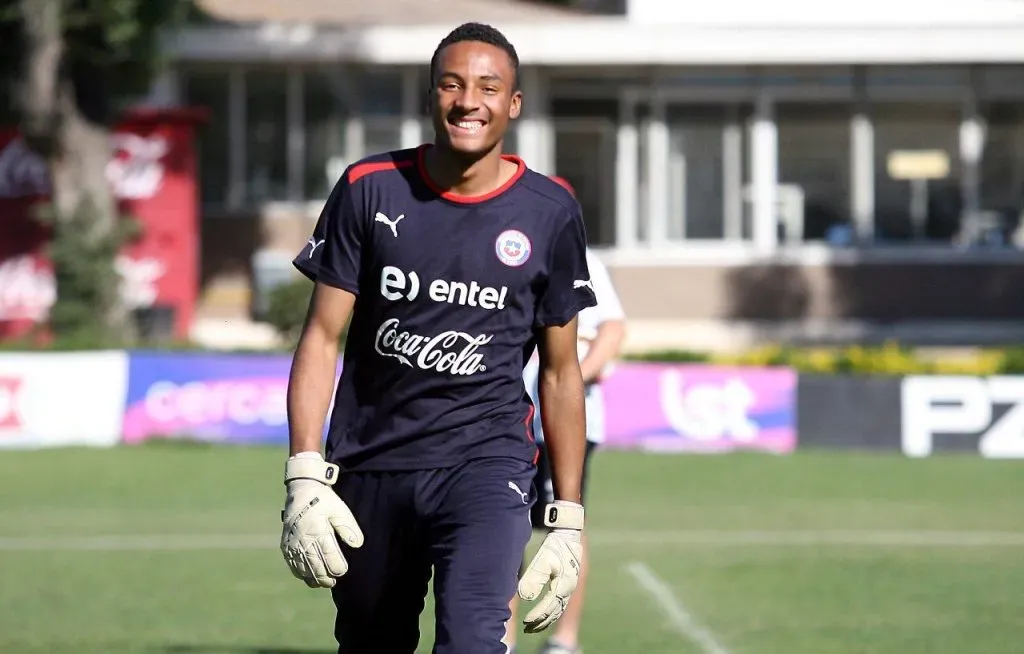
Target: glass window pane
[
  {"x": 326, "y": 113},
  {"x": 935, "y": 204},
  {"x": 266, "y": 134},
  {"x": 1002, "y": 162},
  {"x": 382, "y": 135},
  {"x": 209, "y": 91},
  {"x": 585, "y": 155},
  {"x": 695, "y": 177},
  {"x": 380, "y": 91},
  {"x": 814, "y": 160}
]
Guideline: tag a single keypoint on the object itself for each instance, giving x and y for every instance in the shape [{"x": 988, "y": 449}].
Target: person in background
[{"x": 601, "y": 330}]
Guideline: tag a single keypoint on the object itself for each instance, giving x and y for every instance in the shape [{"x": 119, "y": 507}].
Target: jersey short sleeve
[
  {"x": 568, "y": 289},
  {"x": 333, "y": 253}
]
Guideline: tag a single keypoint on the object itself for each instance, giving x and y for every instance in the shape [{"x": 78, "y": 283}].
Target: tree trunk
[{"x": 73, "y": 139}]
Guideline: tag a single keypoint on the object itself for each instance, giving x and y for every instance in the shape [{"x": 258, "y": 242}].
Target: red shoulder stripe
[{"x": 362, "y": 170}]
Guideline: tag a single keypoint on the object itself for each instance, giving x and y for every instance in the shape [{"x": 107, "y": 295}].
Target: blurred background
[
  {"x": 793, "y": 172},
  {"x": 812, "y": 213}
]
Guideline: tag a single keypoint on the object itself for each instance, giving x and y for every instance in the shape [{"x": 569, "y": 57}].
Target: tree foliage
[
  {"x": 113, "y": 45},
  {"x": 67, "y": 67}
]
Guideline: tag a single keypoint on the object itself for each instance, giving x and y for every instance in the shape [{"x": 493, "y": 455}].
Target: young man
[
  {"x": 601, "y": 329},
  {"x": 455, "y": 263}
]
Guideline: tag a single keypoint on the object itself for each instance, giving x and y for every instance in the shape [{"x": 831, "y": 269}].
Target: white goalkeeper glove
[
  {"x": 313, "y": 513},
  {"x": 557, "y": 561}
]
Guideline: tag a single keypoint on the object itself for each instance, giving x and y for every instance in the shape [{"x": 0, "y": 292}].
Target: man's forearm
[
  {"x": 564, "y": 420},
  {"x": 310, "y": 385}
]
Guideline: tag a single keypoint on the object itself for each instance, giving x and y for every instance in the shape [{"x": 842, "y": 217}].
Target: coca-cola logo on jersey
[
  {"x": 135, "y": 172},
  {"x": 451, "y": 352}
]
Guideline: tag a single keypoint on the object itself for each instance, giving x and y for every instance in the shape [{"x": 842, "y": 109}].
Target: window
[
  {"x": 382, "y": 135},
  {"x": 209, "y": 91},
  {"x": 379, "y": 101},
  {"x": 705, "y": 172},
  {"x": 1002, "y": 163},
  {"x": 814, "y": 163},
  {"x": 266, "y": 135},
  {"x": 380, "y": 91},
  {"x": 326, "y": 113},
  {"x": 925, "y": 135}
]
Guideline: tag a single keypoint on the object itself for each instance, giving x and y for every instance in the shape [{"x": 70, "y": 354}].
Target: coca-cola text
[{"x": 450, "y": 352}]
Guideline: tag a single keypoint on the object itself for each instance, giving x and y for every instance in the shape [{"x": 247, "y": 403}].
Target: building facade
[{"x": 748, "y": 172}]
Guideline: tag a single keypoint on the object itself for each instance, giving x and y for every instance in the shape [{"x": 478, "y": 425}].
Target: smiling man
[{"x": 454, "y": 263}]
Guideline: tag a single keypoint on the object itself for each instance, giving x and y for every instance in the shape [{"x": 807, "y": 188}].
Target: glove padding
[
  {"x": 313, "y": 513},
  {"x": 558, "y": 562}
]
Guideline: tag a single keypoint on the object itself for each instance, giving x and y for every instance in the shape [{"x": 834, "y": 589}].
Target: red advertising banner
[{"x": 152, "y": 172}]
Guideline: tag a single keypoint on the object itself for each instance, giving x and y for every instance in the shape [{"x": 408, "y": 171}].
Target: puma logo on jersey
[
  {"x": 314, "y": 244},
  {"x": 516, "y": 488},
  {"x": 393, "y": 224},
  {"x": 581, "y": 283}
]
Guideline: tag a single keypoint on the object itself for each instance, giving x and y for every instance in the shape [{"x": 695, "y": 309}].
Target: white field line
[
  {"x": 139, "y": 543},
  {"x": 869, "y": 537},
  {"x": 680, "y": 619},
  {"x": 599, "y": 538}
]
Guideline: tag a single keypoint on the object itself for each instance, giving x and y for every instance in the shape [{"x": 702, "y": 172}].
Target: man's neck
[{"x": 464, "y": 176}]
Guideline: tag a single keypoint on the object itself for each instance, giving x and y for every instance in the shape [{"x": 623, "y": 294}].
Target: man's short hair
[{"x": 483, "y": 34}]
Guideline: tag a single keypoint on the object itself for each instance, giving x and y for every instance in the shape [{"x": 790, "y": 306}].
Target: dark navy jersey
[{"x": 452, "y": 292}]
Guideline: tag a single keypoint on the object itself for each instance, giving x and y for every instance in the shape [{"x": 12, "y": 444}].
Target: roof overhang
[{"x": 598, "y": 41}]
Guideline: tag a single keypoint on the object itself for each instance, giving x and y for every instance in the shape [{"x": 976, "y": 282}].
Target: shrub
[
  {"x": 286, "y": 307},
  {"x": 888, "y": 359}
]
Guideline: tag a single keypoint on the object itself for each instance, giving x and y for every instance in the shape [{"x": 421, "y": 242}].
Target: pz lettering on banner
[{"x": 948, "y": 408}]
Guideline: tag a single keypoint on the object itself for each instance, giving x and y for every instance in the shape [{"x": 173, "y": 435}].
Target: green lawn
[{"x": 164, "y": 549}]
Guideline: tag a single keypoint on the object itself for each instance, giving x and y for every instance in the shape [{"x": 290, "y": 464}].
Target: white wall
[{"x": 797, "y": 13}]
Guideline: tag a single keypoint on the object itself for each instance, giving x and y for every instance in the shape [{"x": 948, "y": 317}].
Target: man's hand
[
  {"x": 312, "y": 514},
  {"x": 557, "y": 561}
]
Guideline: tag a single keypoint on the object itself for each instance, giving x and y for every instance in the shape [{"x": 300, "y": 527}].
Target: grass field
[{"x": 172, "y": 549}]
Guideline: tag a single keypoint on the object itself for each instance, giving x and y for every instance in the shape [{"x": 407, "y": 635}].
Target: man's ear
[{"x": 516, "y": 106}]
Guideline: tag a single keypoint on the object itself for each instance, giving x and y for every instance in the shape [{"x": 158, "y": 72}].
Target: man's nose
[{"x": 468, "y": 100}]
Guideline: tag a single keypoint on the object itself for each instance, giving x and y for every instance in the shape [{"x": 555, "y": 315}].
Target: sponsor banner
[
  {"x": 851, "y": 412},
  {"x": 61, "y": 399},
  {"x": 694, "y": 408},
  {"x": 941, "y": 413},
  {"x": 213, "y": 397}
]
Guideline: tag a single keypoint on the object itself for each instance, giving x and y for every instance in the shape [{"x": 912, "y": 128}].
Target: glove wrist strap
[
  {"x": 309, "y": 468},
  {"x": 564, "y": 515}
]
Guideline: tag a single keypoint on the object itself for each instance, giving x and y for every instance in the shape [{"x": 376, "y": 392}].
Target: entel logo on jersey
[
  {"x": 395, "y": 284},
  {"x": 513, "y": 248}
]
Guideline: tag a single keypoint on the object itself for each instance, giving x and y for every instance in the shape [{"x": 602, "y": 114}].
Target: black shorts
[
  {"x": 464, "y": 524},
  {"x": 542, "y": 483}
]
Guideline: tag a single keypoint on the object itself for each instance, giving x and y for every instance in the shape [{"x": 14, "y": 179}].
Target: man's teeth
[{"x": 470, "y": 125}]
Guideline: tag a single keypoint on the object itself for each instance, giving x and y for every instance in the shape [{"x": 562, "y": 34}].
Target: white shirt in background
[{"x": 608, "y": 307}]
